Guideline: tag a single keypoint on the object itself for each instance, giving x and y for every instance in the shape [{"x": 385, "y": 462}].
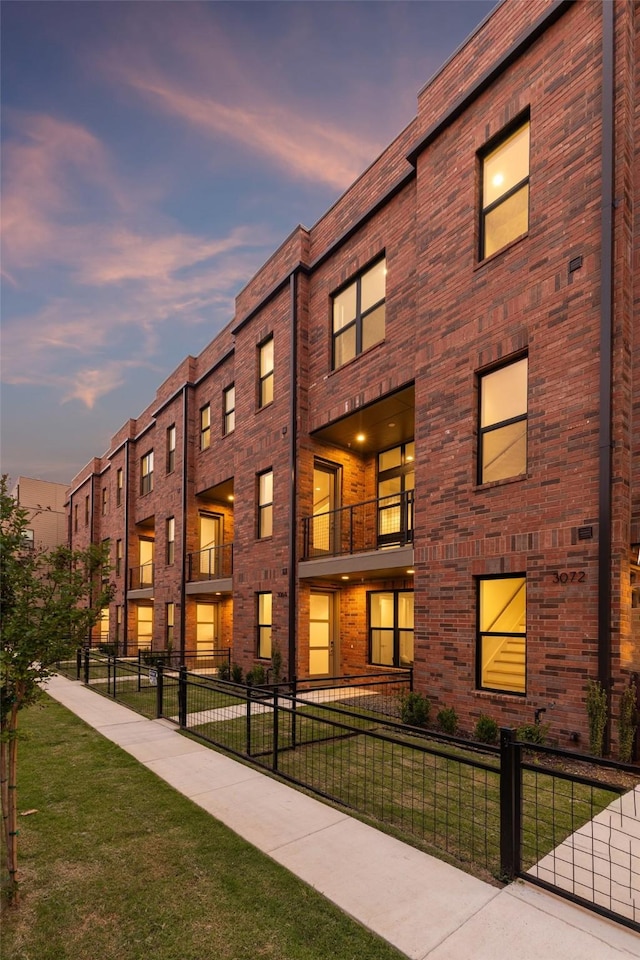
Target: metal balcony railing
[
  {"x": 214, "y": 563},
  {"x": 140, "y": 578},
  {"x": 371, "y": 525}
]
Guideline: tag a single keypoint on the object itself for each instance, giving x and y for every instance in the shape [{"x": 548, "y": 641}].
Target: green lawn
[{"x": 116, "y": 865}]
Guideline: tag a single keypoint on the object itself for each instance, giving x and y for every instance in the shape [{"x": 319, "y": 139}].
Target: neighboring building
[
  {"x": 418, "y": 439},
  {"x": 45, "y": 502}
]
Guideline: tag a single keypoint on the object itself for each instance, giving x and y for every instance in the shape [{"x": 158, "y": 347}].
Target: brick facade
[{"x": 451, "y": 317}]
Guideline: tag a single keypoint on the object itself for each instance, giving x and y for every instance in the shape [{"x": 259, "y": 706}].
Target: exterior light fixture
[
  {"x": 411, "y": 571},
  {"x": 344, "y": 577},
  {"x": 360, "y": 437}
]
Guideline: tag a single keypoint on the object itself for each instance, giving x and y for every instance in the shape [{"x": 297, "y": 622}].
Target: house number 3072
[{"x": 570, "y": 576}]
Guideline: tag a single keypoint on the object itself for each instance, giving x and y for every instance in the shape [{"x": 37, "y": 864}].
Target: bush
[
  {"x": 224, "y": 671},
  {"x": 447, "y": 719},
  {"x": 486, "y": 730},
  {"x": 236, "y": 673},
  {"x": 597, "y": 716},
  {"x": 276, "y": 665},
  {"x": 533, "y": 733},
  {"x": 109, "y": 649},
  {"x": 256, "y": 675},
  {"x": 627, "y": 723},
  {"x": 414, "y": 710}
]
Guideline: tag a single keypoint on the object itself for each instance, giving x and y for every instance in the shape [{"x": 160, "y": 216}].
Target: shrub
[
  {"x": 236, "y": 673},
  {"x": 414, "y": 710},
  {"x": 627, "y": 723},
  {"x": 597, "y": 716},
  {"x": 276, "y": 665},
  {"x": 486, "y": 730},
  {"x": 224, "y": 671},
  {"x": 256, "y": 675},
  {"x": 533, "y": 733},
  {"x": 447, "y": 720}
]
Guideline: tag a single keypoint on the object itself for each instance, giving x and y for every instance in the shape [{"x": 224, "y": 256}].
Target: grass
[{"x": 115, "y": 864}]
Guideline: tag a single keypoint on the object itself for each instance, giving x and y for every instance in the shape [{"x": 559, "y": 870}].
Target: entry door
[
  {"x": 210, "y": 539},
  {"x": 321, "y": 635},
  {"x": 323, "y": 534},
  {"x": 207, "y": 621}
]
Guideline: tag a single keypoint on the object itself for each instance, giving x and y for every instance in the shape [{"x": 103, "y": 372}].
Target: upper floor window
[
  {"x": 119, "y": 486},
  {"x": 205, "y": 427},
  {"x": 86, "y": 510},
  {"x": 75, "y": 517},
  {"x": 171, "y": 539},
  {"x": 391, "y": 627},
  {"x": 505, "y": 191},
  {"x": 171, "y": 448},
  {"x": 229, "y": 410},
  {"x": 265, "y": 625},
  {"x": 170, "y": 622},
  {"x": 146, "y": 473},
  {"x": 265, "y": 504},
  {"x": 118, "y": 558},
  {"x": 503, "y": 422},
  {"x": 502, "y": 633},
  {"x": 359, "y": 314},
  {"x": 265, "y": 372},
  {"x": 28, "y": 539},
  {"x": 105, "y": 501}
]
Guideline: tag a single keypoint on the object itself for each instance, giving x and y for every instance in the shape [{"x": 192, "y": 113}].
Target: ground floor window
[
  {"x": 391, "y": 627},
  {"x": 206, "y": 626},
  {"x": 144, "y": 627},
  {"x": 502, "y": 633},
  {"x": 265, "y": 601}
]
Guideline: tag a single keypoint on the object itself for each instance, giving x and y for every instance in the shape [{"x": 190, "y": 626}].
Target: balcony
[
  {"x": 210, "y": 570},
  {"x": 141, "y": 581},
  {"x": 374, "y": 537}
]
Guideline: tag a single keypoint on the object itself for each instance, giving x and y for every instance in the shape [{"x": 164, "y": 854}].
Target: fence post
[
  {"x": 510, "y": 806},
  {"x": 275, "y": 729},
  {"x": 248, "y": 718},
  {"x": 78, "y": 663},
  {"x": 114, "y": 677},
  {"x": 139, "y": 670},
  {"x": 294, "y": 710},
  {"x": 410, "y": 679},
  {"x": 86, "y": 665},
  {"x": 182, "y": 697},
  {"x": 159, "y": 689}
]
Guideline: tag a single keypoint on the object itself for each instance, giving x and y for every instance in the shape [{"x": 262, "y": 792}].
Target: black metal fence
[{"x": 567, "y": 822}]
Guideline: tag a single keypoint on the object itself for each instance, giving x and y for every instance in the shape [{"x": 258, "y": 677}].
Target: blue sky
[{"x": 154, "y": 154}]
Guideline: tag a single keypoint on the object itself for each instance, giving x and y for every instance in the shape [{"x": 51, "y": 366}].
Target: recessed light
[
  {"x": 344, "y": 577},
  {"x": 392, "y": 424},
  {"x": 411, "y": 571},
  {"x": 230, "y": 498},
  {"x": 360, "y": 437}
]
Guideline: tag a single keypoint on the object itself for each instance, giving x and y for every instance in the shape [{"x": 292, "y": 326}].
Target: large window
[
  {"x": 505, "y": 191},
  {"x": 502, "y": 633},
  {"x": 118, "y": 558},
  {"x": 264, "y": 625},
  {"x": 119, "y": 486},
  {"x": 144, "y": 624},
  {"x": 396, "y": 482},
  {"x": 146, "y": 473},
  {"x": 391, "y": 627},
  {"x": 170, "y": 623},
  {"x": 105, "y": 501},
  {"x": 359, "y": 314},
  {"x": 206, "y": 627},
  {"x": 229, "y": 410},
  {"x": 502, "y": 444},
  {"x": 171, "y": 448},
  {"x": 205, "y": 427},
  {"x": 171, "y": 540},
  {"x": 265, "y": 372},
  {"x": 86, "y": 511},
  {"x": 265, "y": 504}
]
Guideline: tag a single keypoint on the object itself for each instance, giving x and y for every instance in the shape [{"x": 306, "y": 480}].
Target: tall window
[
  {"x": 170, "y": 623},
  {"x": 229, "y": 410},
  {"x": 265, "y": 504},
  {"x": 359, "y": 314},
  {"x": 105, "y": 501},
  {"x": 391, "y": 627},
  {"x": 75, "y": 517},
  {"x": 118, "y": 558},
  {"x": 118, "y": 636},
  {"x": 86, "y": 510},
  {"x": 146, "y": 473},
  {"x": 119, "y": 486},
  {"x": 396, "y": 482},
  {"x": 171, "y": 448},
  {"x": 144, "y": 623},
  {"x": 502, "y": 633},
  {"x": 265, "y": 372},
  {"x": 505, "y": 191},
  {"x": 265, "y": 624},
  {"x": 205, "y": 427},
  {"x": 206, "y": 627},
  {"x": 503, "y": 422},
  {"x": 171, "y": 539}
]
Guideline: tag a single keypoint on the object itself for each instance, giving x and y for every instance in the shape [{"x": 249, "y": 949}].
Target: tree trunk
[{"x": 8, "y": 777}]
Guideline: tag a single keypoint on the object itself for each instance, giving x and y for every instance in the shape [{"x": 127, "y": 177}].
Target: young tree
[{"x": 49, "y": 599}]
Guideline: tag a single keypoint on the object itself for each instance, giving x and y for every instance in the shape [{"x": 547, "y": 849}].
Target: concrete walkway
[{"x": 424, "y": 907}]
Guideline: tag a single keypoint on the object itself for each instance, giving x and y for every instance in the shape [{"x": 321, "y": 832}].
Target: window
[
  {"x": 396, "y": 482},
  {"x": 171, "y": 540},
  {"x": 86, "y": 510},
  {"x": 205, "y": 427},
  {"x": 503, "y": 423},
  {"x": 146, "y": 473},
  {"x": 105, "y": 501},
  {"x": 103, "y": 625},
  {"x": 119, "y": 485},
  {"x": 505, "y": 191},
  {"x": 118, "y": 636},
  {"x": 206, "y": 627},
  {"x": 391, "y": 627},
  {"x": 502, "y": 618},
  {"x": 170, "y": 622},
  {"x": 265, "y": 372},
  {"x": 265, "y": 504},
  {"x": 171, "y": 448},
  {"x": 118, "y": 558},
  {"x": 229, "y": 410},
  {"x": 144, "y": 622},
  {"x": 75, "y": 517},
  {"x": 28, "y": 540},
  {"x": 359, "y": 314},
  {"x": 265, "y": 601}
]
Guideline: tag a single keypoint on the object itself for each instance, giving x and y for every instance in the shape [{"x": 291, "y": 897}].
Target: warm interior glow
[
  {"x": 498, "y": 180},
  {"x": 360, "y": 437},
  {"x": 344, "y": 577}
]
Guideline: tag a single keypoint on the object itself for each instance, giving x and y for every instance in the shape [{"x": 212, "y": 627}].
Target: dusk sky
[{"x": 154, "y": 155}]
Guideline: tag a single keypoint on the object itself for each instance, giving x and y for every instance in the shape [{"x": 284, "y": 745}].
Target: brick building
[
  {"x": 418, "y": 439},
  {"x": 44, "y": 502}
]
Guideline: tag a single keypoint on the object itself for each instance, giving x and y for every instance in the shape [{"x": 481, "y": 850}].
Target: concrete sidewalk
[{"x": 424, "y": 907}]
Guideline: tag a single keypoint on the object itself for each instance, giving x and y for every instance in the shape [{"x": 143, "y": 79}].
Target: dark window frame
[
  {"x": 205, "y": 428},
  {"x": 260, "y": 626},
  {"x": 523, "y": 120},
  {"x": 499, "y": 424},
  {"x": 170, "y": 527},
  {"x": 171, "y": 448},
  {"x": 146, "y": 473},
  {"x": 228, "y": 413},
  {"x": 263, "y": 507},
  {"x": 481, "y": 634},
  {"x": 269, "y": 376},
  {"x": 360, "y": 317},
  {"x": 396, "y": 629},
  {"x": 119, "y": 485}
]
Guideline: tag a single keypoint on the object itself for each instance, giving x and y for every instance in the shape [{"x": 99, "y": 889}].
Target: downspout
[
  {"x": 125, "y": 559},
  {"x": 183, "y": 536},
  {"x": 606, "y": 330},
  {"x": 91, "y": 544},
  {"x": 293, "y": 471}
]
